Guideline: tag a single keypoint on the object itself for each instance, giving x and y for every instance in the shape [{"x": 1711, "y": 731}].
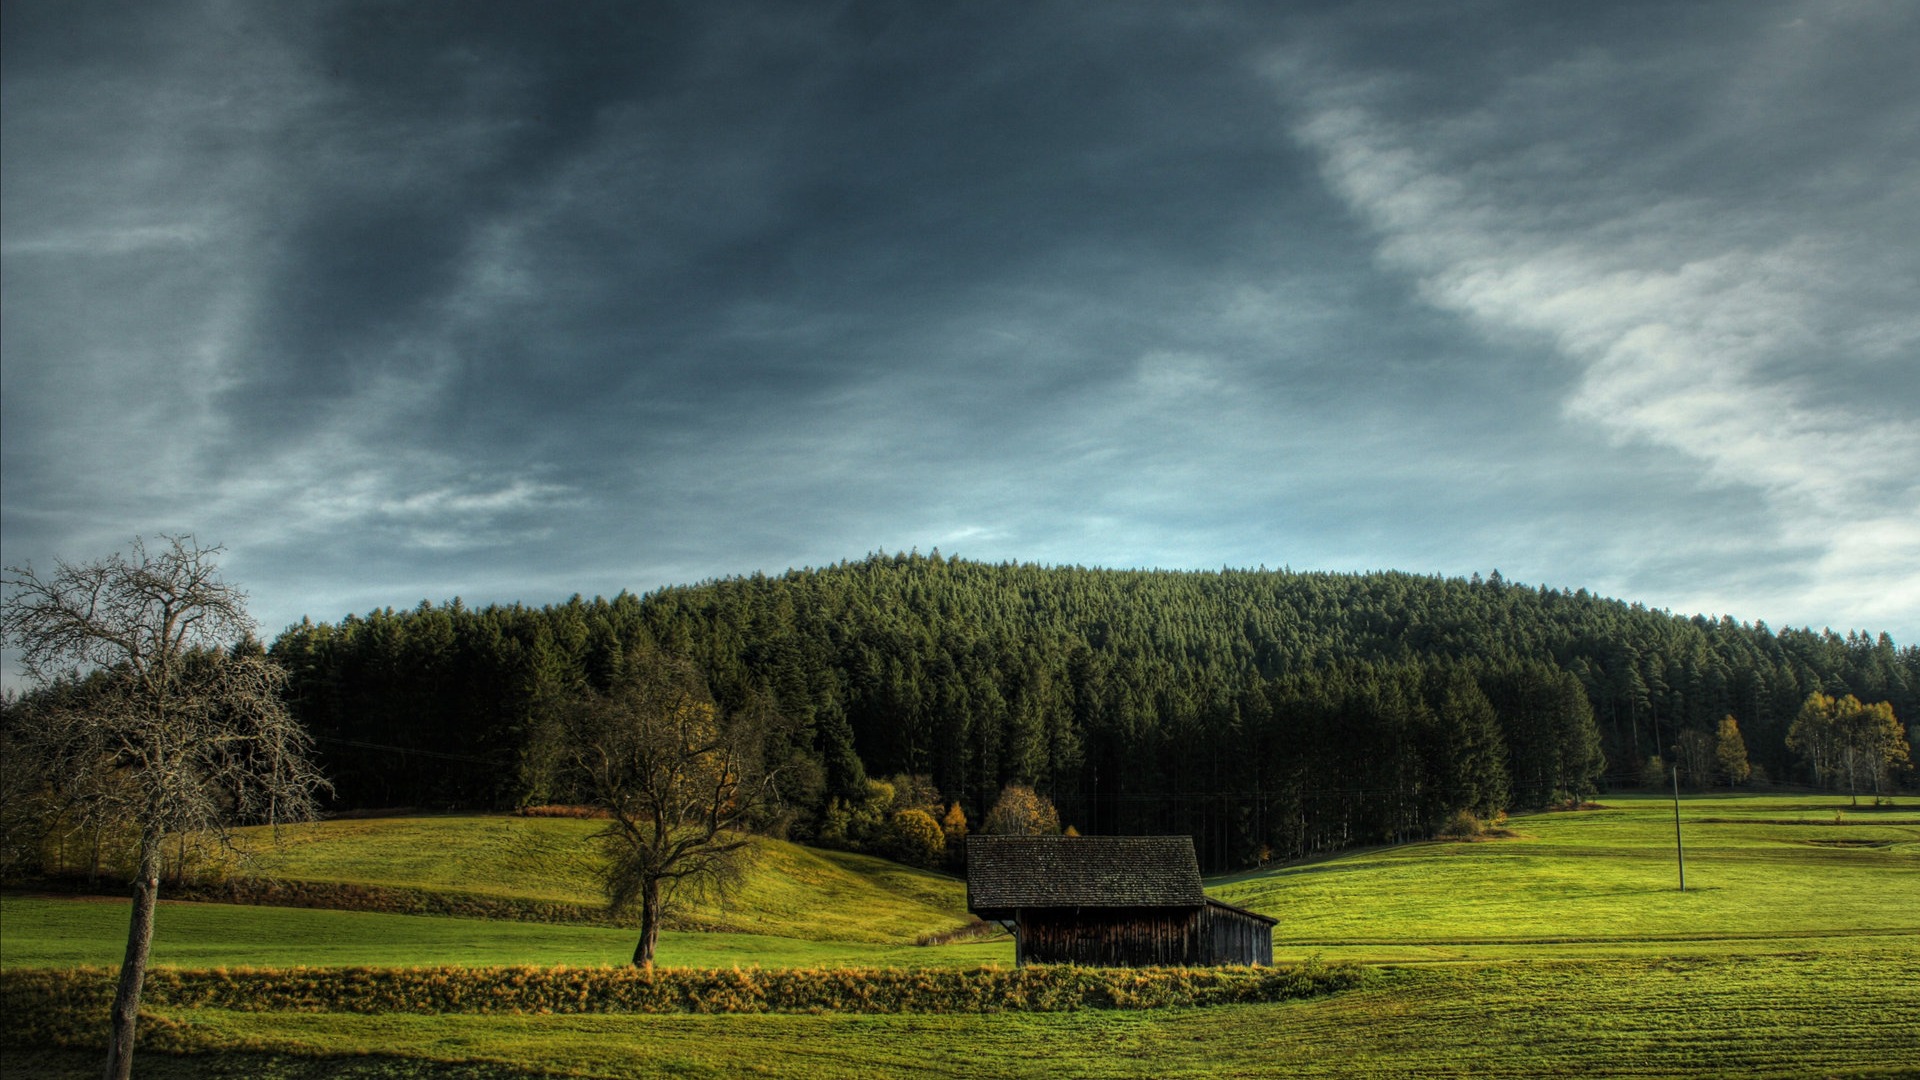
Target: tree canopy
[{"x": 1252, "y": 709}]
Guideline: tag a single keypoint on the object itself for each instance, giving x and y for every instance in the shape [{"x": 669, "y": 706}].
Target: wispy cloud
[
  {"x": 106, "y": 241},
  {"x": 1709, "y": 325}
]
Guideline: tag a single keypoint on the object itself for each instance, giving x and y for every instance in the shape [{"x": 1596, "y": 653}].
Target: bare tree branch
[
  {"x": 680, "y": 783},
  {"x": 144, "y": 717}
]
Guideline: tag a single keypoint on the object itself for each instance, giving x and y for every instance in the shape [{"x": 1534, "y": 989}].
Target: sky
[{"x": 510, "y": 301}]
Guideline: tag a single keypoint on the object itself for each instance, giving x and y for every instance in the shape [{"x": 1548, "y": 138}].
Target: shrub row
[
  {"x": 39, "y": 1000},
  {"x": 564, "y": 810}
]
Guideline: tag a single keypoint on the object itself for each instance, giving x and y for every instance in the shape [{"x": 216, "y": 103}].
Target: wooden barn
[{"x": 1109, "y": 901}]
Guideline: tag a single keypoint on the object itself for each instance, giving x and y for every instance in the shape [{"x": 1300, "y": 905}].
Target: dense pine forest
[{"x": 1271, "y": 714}]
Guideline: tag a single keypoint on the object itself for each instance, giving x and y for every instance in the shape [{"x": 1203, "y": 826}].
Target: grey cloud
[
  {"x": 1701, "y": 315},
  {"x": 512, "y": 301}
]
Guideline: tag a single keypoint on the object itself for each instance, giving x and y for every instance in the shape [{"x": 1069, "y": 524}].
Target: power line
[{"x": 405, "y": 750}]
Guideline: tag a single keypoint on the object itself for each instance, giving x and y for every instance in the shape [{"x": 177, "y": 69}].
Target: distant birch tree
[
  {"x": 1843, "y": 738},
  {"x": 1872, "y": 741},
  {"x": 1813, "y": 737}
]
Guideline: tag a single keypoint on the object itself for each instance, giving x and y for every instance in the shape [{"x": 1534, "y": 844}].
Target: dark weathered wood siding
[
  {"x": 1109, "y": 937},
  {"x": 1142, "y": 937},
  {"x": 1236, "y": 937}
]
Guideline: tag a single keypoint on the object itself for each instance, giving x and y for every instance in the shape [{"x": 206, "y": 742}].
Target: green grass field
[
  {"x": 1605, "y": 882},
  {"x": 1746, "y": 1016},
  {"x": 788, "y": 890},
  {"x": 63, "y": 932},
  {"x": 1564, "y": 951}
]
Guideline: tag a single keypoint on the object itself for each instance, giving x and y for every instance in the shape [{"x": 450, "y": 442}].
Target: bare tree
[
  {"x": 159, "y": 726},
  {"x": 680, "y": 783}
]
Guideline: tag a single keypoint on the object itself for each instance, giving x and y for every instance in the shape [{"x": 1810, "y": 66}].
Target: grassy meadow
[
  {"x": 64, "y": 932},
  {"x": 1805, "y": 872},
  {"x": 789, "y": 890},
  {"x": 1565, "y": 949}
]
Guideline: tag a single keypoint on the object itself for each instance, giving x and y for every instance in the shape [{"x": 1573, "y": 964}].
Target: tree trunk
[
  {"x": 133, "y": 969},
  {"x": 649, "y": 923}
]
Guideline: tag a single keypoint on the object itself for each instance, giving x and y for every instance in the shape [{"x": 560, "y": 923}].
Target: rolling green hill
[{"x": 786, "y": 891}]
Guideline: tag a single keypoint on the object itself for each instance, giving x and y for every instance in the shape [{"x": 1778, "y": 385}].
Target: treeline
[{"x": 1264, "y": 712}]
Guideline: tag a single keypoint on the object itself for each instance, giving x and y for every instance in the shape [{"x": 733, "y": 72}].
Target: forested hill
[{"x": 1261, "y": 708}]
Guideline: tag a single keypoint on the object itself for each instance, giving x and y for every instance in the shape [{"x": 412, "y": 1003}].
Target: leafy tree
[
  {"x": 1814, "y": 735},
  {"x": 916, "y": 792},
  {"x": 917, "y": 839},
  {"x": 1730, "y": 751},
  {"x": 1844, "y": 738},
  {"x": 1653, "y": 774},
  {"x": 954, "y": 828},
  {"x": 1021, "y": 811},
  {"x": 1871, "y": 741},
  {"x": 863, "y": 824},
  {"x": 679, "y": 784},
  {"x": 157, "y": 724}
]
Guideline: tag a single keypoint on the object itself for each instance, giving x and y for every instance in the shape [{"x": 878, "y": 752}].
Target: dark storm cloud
[{"x": 509, "y": 300}]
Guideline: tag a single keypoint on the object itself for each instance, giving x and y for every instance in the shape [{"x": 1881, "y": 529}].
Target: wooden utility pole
[{"x": 1679, "y": 851}]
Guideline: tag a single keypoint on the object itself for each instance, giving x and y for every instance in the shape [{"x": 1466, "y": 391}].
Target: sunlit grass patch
[
  {"x": 1606, "y": 876},
  {"x": 787, "y": 890}
]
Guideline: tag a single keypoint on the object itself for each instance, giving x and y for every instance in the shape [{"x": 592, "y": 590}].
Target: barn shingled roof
[{"x": 1082, "y": 871}]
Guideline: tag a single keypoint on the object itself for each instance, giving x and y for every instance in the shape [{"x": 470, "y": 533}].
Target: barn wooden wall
[
  {"x": 1234, "y": 938},
  {"x": 1142, "y": 937},
  {"x": 1122, "y": 937}
]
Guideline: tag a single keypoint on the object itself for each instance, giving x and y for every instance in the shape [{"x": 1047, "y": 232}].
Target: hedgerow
[{"x": 43, "y": 1007}]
